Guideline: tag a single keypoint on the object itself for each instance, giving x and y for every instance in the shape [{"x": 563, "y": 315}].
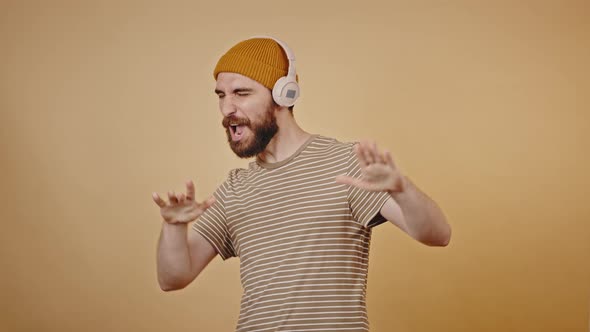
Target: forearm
[
  {"x": 173, "y": 259},
  {"x": 424, "y": 220}
]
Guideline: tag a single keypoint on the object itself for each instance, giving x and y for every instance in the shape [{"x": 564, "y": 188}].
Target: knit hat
[{"x": 261, "y": 59}]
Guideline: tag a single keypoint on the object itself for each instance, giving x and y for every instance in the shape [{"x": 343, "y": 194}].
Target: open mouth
[
  {"x": 236, "y": 127},
  {"x": 236, "y": 131}
]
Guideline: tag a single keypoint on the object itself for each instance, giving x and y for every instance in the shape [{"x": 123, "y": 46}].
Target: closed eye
[
  {"x": 219, "y": 93},
  {"x": 238, "y": 92},
  {"x": 242, "y": 91}
]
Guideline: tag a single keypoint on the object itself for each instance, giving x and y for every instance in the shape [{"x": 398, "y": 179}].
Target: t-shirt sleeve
[
  {"x": 212, "y": 224},
  {"x": 365, "y": 205}
]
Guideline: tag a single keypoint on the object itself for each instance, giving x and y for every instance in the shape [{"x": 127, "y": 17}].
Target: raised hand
[
  {"x": 182, "y": 208},
  {"x": 378, "y": 170}
]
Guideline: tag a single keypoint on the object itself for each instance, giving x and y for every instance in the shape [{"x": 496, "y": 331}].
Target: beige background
[{"x": 484, "y": 104}]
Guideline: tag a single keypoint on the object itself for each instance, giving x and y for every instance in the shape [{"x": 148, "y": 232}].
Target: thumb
[
  {"x": 210, "y": 201},
  {"x": 358, "y": 183},
  {"x": 343, "y": 179}
]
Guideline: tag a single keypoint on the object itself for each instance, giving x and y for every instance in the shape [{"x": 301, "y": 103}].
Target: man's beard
[{"x": 262, "y": 134}]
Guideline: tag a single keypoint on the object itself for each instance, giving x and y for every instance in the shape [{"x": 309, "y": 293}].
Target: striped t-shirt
[{"x": 302, "y": 239}]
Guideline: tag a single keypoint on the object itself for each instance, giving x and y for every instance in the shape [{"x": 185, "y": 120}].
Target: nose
[{"x": 226, "y": 106}]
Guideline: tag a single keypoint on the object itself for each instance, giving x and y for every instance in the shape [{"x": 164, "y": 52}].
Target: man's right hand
[{"x": 182, "y": 208}]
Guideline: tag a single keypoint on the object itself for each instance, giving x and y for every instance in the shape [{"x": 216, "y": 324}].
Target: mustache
[{"x": 235, "y": 120}]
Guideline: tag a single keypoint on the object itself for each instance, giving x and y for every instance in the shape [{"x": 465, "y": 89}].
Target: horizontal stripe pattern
[{"x": 302, "y": 239}]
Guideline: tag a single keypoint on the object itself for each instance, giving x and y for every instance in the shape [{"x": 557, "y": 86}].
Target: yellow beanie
[{"x": 261, "y": 59}]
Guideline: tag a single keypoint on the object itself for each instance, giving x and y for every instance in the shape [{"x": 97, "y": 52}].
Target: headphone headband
[
  {"x": 286, "y": 90},
  {"x": 291, "y": 72}
]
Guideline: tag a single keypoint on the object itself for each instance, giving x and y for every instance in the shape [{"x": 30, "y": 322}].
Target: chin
[{"x": 243, "y": 149}]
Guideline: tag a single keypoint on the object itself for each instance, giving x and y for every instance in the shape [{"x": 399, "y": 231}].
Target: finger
[
  {"x": 161, "y": 203},
  {"x": 343, "y": 179},
  {"x": 368, "y": 156},
  {"x": 389, "y": 160},
  {"x": 382, "y": 158},
  {"x": 206, "y": 204},
  {"x": 376, "y": 154},
  {"x": 190, "y": 191},
  {"x": 172, "y": 197},
  {"x": 353, "y": 182},
  {"x": 360, "y": 155},
  {"x": 210, "y": 201},
  {"x": 358, "y": 150},
  {"x": 180, "y": 198}
]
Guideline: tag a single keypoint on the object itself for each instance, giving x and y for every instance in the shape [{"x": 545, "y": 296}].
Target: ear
[
  {"x": 280, "y": 109},
  {"x": 275, "y": 107}
]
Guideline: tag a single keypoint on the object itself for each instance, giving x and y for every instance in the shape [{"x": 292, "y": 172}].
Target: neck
[{"x": 286, "y": 142}]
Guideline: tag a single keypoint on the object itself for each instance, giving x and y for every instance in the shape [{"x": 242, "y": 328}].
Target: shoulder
[
  {"x": 239, "y": 177},
  {"x": 324, "y": 144}
]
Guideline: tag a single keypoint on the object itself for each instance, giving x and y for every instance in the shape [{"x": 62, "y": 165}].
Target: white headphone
[{"x": 286, "y": 90}]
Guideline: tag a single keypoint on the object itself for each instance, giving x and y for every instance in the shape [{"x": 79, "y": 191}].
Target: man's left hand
[{"x": 379, "y": 172}]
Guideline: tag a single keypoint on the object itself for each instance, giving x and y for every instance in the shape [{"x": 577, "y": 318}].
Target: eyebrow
[{"x": 217, "y": 91}]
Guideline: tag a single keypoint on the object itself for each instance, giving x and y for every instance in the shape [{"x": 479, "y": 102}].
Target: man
[{"x": 300, "y": 217}]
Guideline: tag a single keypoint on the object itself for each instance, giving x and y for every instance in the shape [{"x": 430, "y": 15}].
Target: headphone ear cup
[{"x": 285, "y": 91}]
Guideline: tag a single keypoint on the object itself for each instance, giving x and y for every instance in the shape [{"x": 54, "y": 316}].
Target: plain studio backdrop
[{"x": 484, "y": 104}]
